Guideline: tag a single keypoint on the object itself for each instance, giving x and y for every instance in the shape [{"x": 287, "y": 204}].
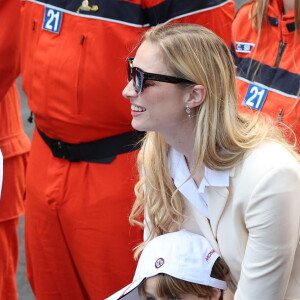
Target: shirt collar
[{"x": 179, "y": 172}]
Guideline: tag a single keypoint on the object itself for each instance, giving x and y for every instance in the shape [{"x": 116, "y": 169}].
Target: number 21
[
  {"x": 53, "y": 18},
  {"x": 255, "y": 97}
]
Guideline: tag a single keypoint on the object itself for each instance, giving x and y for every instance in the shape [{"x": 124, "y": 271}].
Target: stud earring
[{"x": 188, "y": 110}]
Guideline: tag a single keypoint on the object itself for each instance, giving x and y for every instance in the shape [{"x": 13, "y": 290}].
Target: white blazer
[{"x": 255, "y": 224}]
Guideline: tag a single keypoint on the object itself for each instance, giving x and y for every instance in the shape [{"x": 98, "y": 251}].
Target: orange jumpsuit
[
  {"x": 268, "y": 66},
  {"x": 14, "y": 145},
  {"x": 78, "y": 239},
  {"x": 1, "y": 171}
]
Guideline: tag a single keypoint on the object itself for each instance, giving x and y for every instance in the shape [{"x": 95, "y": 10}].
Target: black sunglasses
[{"x": 139, "y": 77}]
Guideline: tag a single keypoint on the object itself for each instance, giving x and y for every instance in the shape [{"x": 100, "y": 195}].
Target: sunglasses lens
[
  {"x": 137, "y": 81},
  {"x": 135, "y": 75}
]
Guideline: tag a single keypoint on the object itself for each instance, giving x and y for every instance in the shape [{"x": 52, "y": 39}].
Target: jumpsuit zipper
[
  {"x": 281, "y": 48},
  {"x": 277, "y": 62},
  {"x": 279, "y": 53}
]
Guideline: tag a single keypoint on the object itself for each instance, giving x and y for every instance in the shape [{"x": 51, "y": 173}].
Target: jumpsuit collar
[{"x": 285, "y": 23}]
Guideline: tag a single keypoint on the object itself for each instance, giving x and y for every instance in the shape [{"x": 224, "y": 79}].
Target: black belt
[{"x": 101, "y": 151}]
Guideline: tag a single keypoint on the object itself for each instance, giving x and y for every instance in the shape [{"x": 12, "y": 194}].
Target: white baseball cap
[{"x": 182, "y": 254}]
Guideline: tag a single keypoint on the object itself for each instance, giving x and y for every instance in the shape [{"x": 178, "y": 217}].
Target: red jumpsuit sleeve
[{"x": 10, "y": 46}]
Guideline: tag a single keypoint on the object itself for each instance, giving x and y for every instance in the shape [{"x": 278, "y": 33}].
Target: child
[{"x": 178, "y": 265}]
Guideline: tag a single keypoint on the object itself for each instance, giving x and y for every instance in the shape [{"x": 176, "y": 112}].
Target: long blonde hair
[{"x": 222, "y": 135}]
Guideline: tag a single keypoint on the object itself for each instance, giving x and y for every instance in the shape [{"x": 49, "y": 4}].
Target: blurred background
[{"x": 24, "y": 289}]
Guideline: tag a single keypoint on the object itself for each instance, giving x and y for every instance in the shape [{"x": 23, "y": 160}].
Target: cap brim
[{"x": 129, "y": 292}]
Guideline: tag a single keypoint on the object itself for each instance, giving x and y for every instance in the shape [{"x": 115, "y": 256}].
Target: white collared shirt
[{"x": 196, "y": 195}]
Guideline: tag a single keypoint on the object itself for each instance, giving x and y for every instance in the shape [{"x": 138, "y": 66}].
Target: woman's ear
[
  {"x": 196, "y": 96},
  {"x": 216, "y": 294}
]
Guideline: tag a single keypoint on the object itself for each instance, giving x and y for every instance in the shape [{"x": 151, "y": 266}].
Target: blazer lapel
[
  {"x": 217, "y": 198},
  {"x": 197, "y": 223}
]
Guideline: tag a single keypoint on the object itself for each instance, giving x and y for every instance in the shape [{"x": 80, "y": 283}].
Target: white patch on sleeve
[{"x": 244, "y": 47}]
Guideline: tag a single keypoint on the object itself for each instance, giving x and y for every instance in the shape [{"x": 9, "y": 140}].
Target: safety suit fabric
[
  {"x": 1, "y": 171},
  {"x": 8, "y": 258},
  {"x": 14, "y": 145},
  {"x": 9, "y": 50},
  {"x": 268, "y": 66},
  {"x": 78, "y": 239}
]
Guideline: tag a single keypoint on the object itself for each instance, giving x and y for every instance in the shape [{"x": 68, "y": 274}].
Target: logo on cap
[
  {"x": 209, "y": 255},
  {"x": 159, "y": 262}
]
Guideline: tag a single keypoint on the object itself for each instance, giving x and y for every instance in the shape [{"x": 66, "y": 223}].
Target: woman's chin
[{"x": 138, "y": 127}]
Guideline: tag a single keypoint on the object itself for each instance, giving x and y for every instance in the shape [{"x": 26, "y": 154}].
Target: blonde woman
[
  {"x": 266, "y": 45},
  {"x": 209, "y": 169}
]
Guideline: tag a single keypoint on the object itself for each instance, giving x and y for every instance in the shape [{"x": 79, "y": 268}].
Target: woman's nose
[{"x": 129, "y": 91}]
